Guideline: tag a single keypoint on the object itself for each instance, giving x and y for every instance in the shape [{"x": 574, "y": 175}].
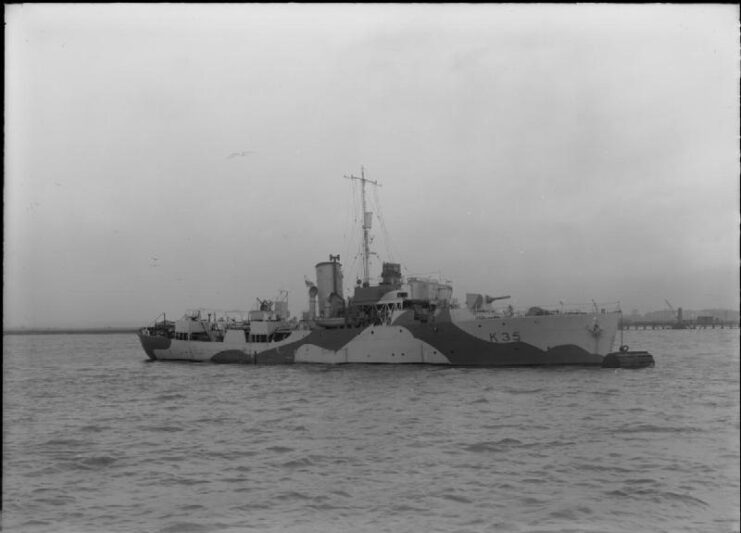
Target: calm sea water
[{"x": 97, "y": 439}]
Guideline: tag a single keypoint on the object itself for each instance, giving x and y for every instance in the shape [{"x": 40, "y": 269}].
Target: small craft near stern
[{"x": 626, "y": 358}]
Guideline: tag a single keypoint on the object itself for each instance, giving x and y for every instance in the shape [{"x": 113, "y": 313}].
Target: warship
[{"x": 395, "y": 320}]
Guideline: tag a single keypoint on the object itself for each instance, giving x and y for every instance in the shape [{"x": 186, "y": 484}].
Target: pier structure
[{"x": 688, "y": 324}]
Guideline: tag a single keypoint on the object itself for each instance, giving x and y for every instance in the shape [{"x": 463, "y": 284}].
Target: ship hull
[{"x": 449, "y": 338}]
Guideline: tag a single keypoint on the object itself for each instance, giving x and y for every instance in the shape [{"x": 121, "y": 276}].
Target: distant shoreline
[{"x": 69, "y": 331}]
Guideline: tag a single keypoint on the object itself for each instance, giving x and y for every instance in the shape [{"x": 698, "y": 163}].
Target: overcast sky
[{"x": 550, "y": 152}]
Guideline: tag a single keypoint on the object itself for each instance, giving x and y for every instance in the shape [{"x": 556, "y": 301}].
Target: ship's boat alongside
[{"x": 396, "y": 321}]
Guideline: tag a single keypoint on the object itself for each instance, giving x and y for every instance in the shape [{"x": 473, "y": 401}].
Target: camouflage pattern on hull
[{"x": 448, "y": 340}]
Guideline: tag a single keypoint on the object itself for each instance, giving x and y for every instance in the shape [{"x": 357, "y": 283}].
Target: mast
[{"x": 367, "y": 219}]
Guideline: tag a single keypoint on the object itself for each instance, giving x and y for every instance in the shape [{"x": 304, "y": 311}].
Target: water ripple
[{"x": 96, "y": 439}]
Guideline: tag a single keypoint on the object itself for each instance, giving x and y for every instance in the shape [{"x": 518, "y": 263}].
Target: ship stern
[{"x": 150, "y": 343}]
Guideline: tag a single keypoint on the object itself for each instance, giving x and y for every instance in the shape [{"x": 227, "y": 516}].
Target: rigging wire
[
  {"x": 346, "y": 225},
  {"x": 352, "y": 247},
  {"x": 387, "y": 238}
]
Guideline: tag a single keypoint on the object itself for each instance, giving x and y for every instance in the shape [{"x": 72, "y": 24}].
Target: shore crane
[{"x": 679, "y": 322}]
